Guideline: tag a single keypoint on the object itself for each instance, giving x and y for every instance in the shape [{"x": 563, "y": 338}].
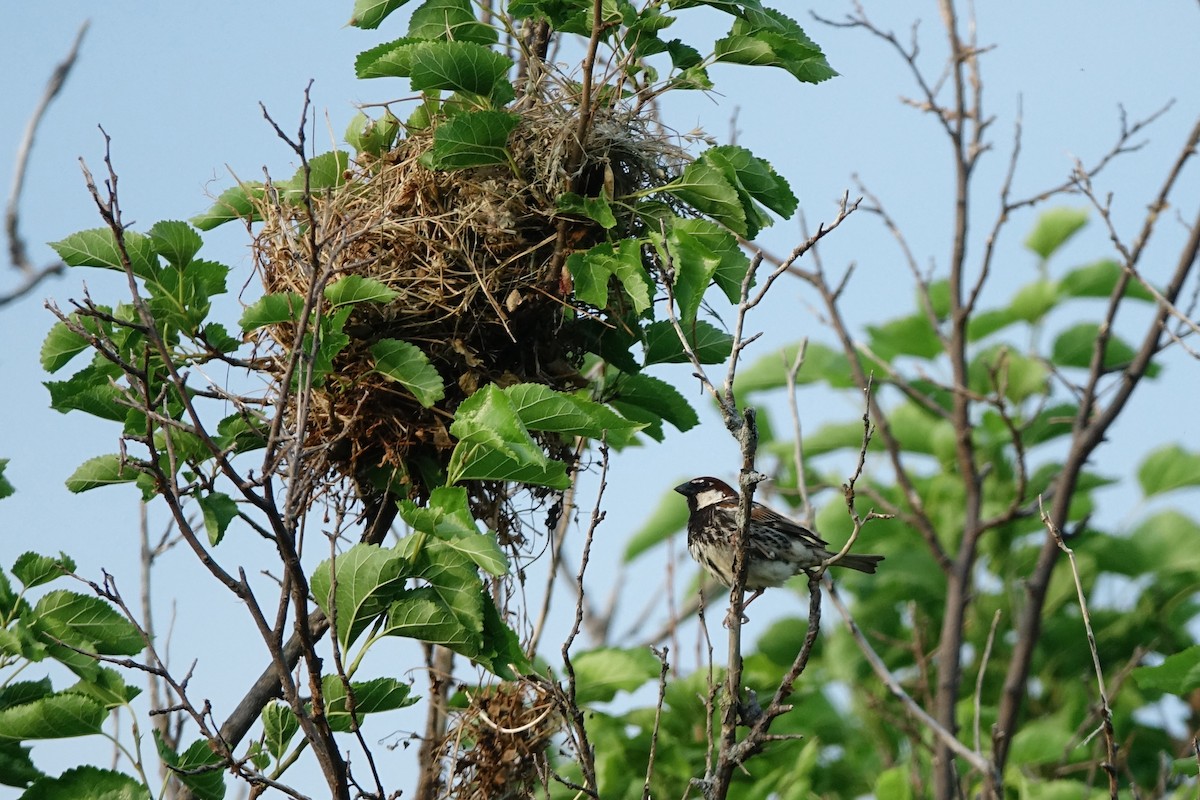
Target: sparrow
[{"x": 776, "y": 547}]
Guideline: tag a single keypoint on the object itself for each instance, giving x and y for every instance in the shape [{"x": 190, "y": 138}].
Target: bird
[{"x": 776, "y": 547}]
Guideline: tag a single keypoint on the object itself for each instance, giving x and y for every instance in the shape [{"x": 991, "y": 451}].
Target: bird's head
[{"x": 705, "y": 492}]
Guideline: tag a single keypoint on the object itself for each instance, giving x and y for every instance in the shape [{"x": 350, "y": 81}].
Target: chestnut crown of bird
[{"x": 776, "y": 547}]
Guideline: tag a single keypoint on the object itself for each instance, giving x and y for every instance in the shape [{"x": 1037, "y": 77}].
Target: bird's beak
[{"x": 684, "y": 488}]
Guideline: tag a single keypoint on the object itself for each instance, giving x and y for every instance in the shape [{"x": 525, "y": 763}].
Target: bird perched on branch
[{"x": 776, "y": 547}]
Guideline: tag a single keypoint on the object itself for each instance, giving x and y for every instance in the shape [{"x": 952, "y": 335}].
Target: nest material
[
  {"x": 470, "y": 254},
  {"x": 497, "y": 746}
]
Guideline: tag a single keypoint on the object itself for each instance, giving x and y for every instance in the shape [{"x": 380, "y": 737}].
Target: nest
[
  {"x": 497, "y": 746},
  {"x": 475, "y": 257}
]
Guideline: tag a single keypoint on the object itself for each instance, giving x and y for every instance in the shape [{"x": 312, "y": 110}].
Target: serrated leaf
[
  {"x": 702, "y": 253},
  {"x": 1074, "y": 346},
  {"x": 326, "y": 171},
  {"x": 86, "y": 783},
  {"x": 272, "y": 309},
  {"x": 104, "y": 470},
  {"x": 450, "y": 19},
  {"x": 769, "y": 38},
  {"x": 98, "y": 248},
  {"x": 1054, "y": 227},
  {"x": 600, "y": 674},
  {"x": 596, "y": 209},
  {"x": 279, "y": 727},
  {"x": 368, "y": 14},
  {"x": 706, "y": 189},
  {"x": 388, "y": 60},
  {"x": 352, "y": 289},
  {"x": 1178, "y": 674},
  {"x": 219, "y": 510},
  {"x": 459, "y": 67},
  {"x": 89, "y": 623},
  {"x": 175, "y": 241},
  {"x": 57, "y": 716},
  {"x": 90, "y": 391},
  {"x": 495, "y": 445},
  {"x": 411, "y": 368},
  {"x": 541, "y": 408},
  {"x": 447, "y": 515},
  {"x": 60, "y": 346},
  {"x": 647, "y": 399},
  {"x": 755, "y": 178},
  {"x": 372, "y": 136},
  {"x": 472, "y": 139},
  {"x": 236, "y": 202},
  {"x": 1167, "y": 468},
  {"x": 199, "y": 767},
  {"x": 591, "y": 271},
  {"x": 370, "y": 697},
  {"x": 6, "y": 488},
  {"x": 32, "y": 569},
  {"x": 369, "y": 578},
  {"x": 1099, "y": 280},
  {"x": 710, "y": 344},
  {"x": 420, "y": 614}
]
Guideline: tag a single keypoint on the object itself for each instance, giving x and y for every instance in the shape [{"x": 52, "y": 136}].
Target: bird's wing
[{"x": 788, "y": 527}]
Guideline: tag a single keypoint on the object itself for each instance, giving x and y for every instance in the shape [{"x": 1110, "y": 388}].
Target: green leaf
[
  {"x": 706, "y": 189},
  {"x": 668, "y": 518},
  {"x": 710, "y": 344},
  {"x": 272, "y": 309},
  {"x": 60, "y": 346},
  {"x": 16, "y": 767},
  {"x": 821, "y": 363},
  {"x": 369, "y": 578},
  {"x": 643, "y": 398},
  {"x": 591, "y": 271},
  {"x": 1054, "y": 228},
  {"x": 1099, "y": 280},
  {"x": 596, "y": 209},
  {"x": 911, "y": 335},
  {"x": 236, "y": 202},
  {"x": 1167, "y": 468},
  {"x": 98, "y": 248},
  {"x": 472, "y": 139},
  {"x": 326, "y": 171},
  {"x": 985, "y": 323},
  {"x": 447, "y": 515},
  {"x": 541, "y": 408},
  {"x": 1034, "y": 300},
  {"x": 175, "y": 241},
  {"x": 769, "y": 38},
  {"x": 459, "y": 67},
  {"x": 199, "y": 767},
  {"x": 450, "y": 19},
  {"x": 368, "y": 14},
  {"x": 90, "y": 390},
  {"x": 104, "y": 470},
  {"x": 57, "y": 716},
  {"x": 600, "y": 674},
  {"x": 1074, "y": 347},
  {"x": 893, "y": 784},
  {"x": 6, "y": 488},
  {"x": 388, "y": 60},
  {"x": 357, "y": 289},
  {"x": 373, "y": 136},
  {"x": 279, "y": 727},
  {"x": 495, "y": 445},
  {"x": 421, "y": 614},
  {"x": 1178, "y": 674},
  {"x": 217, "y": 337},
  {"x": 753, "y": 178},
  {"x": 408, "y": 366},
  {"x": 1020, "y": 376},
  {"x": 219, "y": 510},
  {"x": 370, "y": 697},
  {"x": 33, "y": 570},
  {"x": 88, "y": 623},
  {"x": 86, "y": 783},
  {"x": 702, "y": 253},
  {"x": 455, "y": 584}
]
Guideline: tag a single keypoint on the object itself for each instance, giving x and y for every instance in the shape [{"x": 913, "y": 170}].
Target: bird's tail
[{"x": 862, "y": 563}]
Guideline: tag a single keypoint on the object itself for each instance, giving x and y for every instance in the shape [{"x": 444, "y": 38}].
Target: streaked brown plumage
[{"x": 776, "y": 548}]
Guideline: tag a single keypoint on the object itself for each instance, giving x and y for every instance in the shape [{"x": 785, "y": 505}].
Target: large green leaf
[
  {"x": 591, "y": 271},
  {"x": 272, "y": 309},
  {"x": 668, "y": 518},
  {"x": 368, "y": 577},
  {"x": 447, "y": 515},
  {"x": 1074, "y": 347},
  {"x": 710, "y": 344},
  {"x": 407, "y": 365},
  {"x": 98, "y": 248},
  {"x": 88, "y": 623},
  {"x": 541, "y": 408},
  {"x": 218, "y": 510},
  {"x": 647, "y": 399},
  {"x": 706, "y": 189},
  {"x": 175, "y": 241},
  {"x": 1099, "y": 280},
  {"x": 57, "y": 716},
  {"x": 86, "y": 783},
  {"x": 695, "y": 246},
  {"x": 32, "y": 569},
  {"x": 368, "y": 14},
  {"x": 236, "y": 202},
  {"x": 495, "y": 445},
  {"x": 776, "y": 41},
  {"x": 1178, "y": 674},
  {"x": 1054, "y": 228},
  {"x": 821, "y": 363},
  {"x": 601, "y": 673},
  {"x": 460, "y": 67},
  {"x": 472, "y": 139},
  {"x": 450, "y": 19},
  {"x": 199, "y": 767},
  {"x": 370, "y": 697},
  {"x": 99, "y": 471},
  {"x": 1167, "y": 468}
]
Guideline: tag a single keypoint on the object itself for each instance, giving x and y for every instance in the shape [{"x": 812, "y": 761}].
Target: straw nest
[
  {"x": 472, "y": 256},
  {"x": 497, "y": 746}
]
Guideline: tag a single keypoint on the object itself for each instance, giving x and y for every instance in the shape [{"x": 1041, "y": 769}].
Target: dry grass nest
[
  {"x": 472, "y": 256},
  {"x": 496, "y": 747}
]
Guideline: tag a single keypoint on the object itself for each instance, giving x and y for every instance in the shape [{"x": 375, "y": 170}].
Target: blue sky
[{"x": 177, "y": 87}]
